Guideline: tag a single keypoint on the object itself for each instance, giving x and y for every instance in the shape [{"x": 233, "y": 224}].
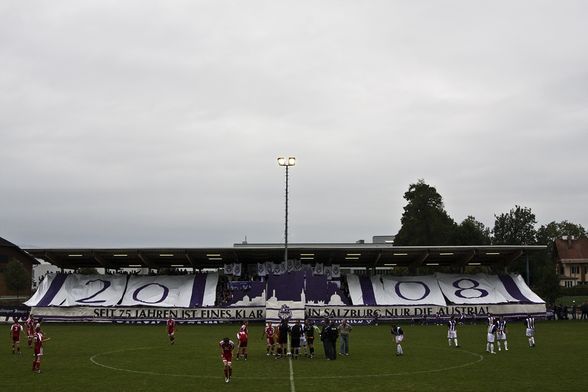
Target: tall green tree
[
  {"x": 472, "y": 232},
  {"x": 16, "y": 276},
  {"x": 517, "y": 227},
  {"x": 546, "y": 234},
  {"x": 547, "y": 282},
  {"x": 425, "y": 221}
]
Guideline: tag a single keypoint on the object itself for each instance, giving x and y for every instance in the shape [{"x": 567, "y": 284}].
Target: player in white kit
[
  {"x": 491, "y": 336},
  {"x": 398, "y": 338},
  {"x": 530, "y": 331},
  {"x": 501, "y": 334},
  {"x": 452, "y": 331}
]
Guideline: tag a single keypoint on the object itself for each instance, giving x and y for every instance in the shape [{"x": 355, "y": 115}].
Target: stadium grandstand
[{"x": 363, "y": 282}]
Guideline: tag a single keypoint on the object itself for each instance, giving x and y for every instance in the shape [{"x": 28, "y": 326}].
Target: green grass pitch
[{"x": 90, "y": 357}]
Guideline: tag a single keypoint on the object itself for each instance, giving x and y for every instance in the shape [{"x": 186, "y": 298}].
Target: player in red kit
[
  {"x": 30, "y": 326},
  {"x": 39, "y": 338},
  {"x": 171, "y": 330},
  {"x": 243, "y": 337},
  {"x": 15, "y": 331},
  {"x": 268, "y": 332},
  {"x": 227, "y": 346}
]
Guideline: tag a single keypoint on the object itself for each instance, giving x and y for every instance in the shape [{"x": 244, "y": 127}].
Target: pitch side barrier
[
  {"x": 422, "y": 314},
  {"x": 357, "y": 314},
  {"x": 148, "y": 314}
]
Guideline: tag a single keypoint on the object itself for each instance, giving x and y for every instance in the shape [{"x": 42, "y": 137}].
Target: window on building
[{"x": 574, "y": 269}]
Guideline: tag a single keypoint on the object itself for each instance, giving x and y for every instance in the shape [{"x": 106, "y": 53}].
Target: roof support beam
[
  {"x": 506, "y": 261},
  {"x": 418, "y": 262},
  {"x": 190, "y": 260},
  {"x": 467, "y": 258},
  {"x": 100, "y": 260},
  {"x": 461, "y": 264},
  {"x": 514, "y": 257},
  {"x": 377, "y": 260},
  {"x": 52, "y": 260},
  {"x": 144, "y": 260}
]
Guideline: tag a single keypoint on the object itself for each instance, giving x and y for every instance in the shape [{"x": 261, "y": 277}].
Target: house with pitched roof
[{"x": 572, "y": 261}]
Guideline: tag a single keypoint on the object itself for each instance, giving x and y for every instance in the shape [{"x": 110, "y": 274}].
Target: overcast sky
[{"x": 158, "y": 123}]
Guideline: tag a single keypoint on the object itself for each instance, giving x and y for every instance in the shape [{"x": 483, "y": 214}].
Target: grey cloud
[{"x": 141, "y": 123}]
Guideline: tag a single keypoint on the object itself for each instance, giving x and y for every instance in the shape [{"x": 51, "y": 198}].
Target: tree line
[{"x": 425, "y": 222}]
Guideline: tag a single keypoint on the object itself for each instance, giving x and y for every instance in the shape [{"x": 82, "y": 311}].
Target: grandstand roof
[{"x": 346, "y": 255}]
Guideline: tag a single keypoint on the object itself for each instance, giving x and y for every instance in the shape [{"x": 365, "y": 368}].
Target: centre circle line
[{"x": 292, "y": 386}]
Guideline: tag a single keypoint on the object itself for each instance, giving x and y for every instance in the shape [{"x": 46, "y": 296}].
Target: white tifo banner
[
  {"x": 440, "y": 289},
  {"x": 486, "y": 289},
  {"x": 161, "y": 291},
  {"x": 407, "y": 290},
  {"x": 123, "y": 290},
  {"x": 79, "y": 290}
]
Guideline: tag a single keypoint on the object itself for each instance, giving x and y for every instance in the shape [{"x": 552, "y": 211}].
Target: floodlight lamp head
[
  {"x": 291, "y": 161},
  {"x": 281, "y": 161}
]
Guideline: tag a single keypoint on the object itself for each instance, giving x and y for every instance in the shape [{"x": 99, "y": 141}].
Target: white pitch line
[
  {"x": 94, "y": 357},
  {"x": 480, "y": 359},
  {"x": 292, "y": 387}
]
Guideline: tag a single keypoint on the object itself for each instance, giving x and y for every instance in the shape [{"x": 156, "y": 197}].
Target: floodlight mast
[{"x": 286, "y": 162}]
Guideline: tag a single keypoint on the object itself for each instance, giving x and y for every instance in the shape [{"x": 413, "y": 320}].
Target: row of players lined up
[
  {"x": 277, "y": 341},
  {"x": 301, "y": 336},
  {"x": 497, "y": 332},
  {"x": 35, "y": 339},
  {"x": 304, "y": 336}
]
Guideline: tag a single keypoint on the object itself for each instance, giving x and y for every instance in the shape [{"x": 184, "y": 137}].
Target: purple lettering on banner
[
  {"x": 163, "y": 294},
  {"x": 475, "y": 284},
  {"x": 399, "y": 293},
  {"x": 54, "y": 288},
  {"x": 98, "y": 301}
]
